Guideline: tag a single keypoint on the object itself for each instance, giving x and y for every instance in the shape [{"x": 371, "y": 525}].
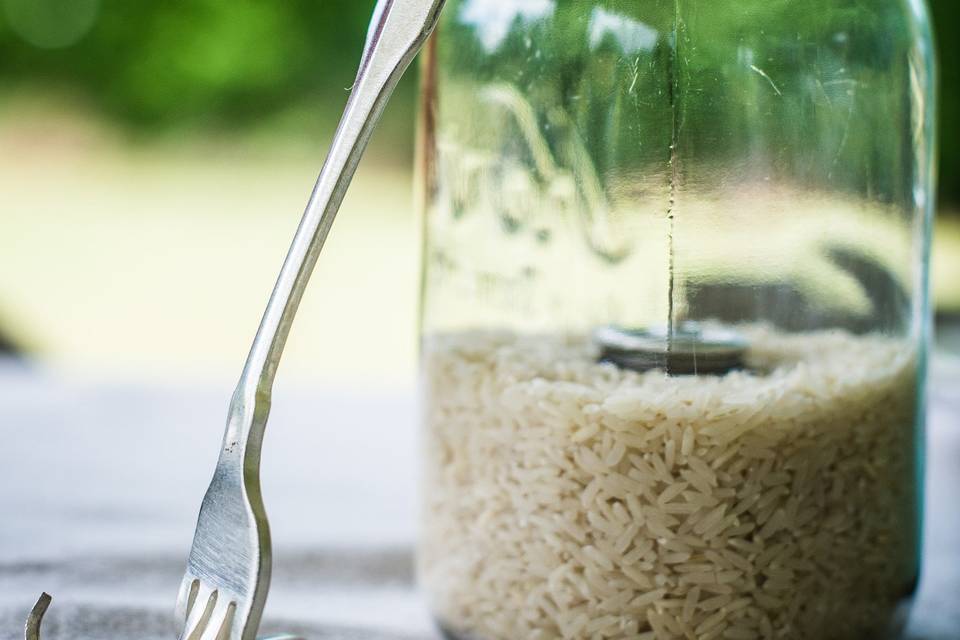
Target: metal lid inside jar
[{"x": 690, "y": 350}]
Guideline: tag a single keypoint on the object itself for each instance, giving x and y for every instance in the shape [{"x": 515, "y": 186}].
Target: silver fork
[{"x": 228, "y": 573}]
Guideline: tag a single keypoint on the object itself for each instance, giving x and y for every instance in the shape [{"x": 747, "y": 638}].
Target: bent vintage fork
[{"x": 228, "y": 573}]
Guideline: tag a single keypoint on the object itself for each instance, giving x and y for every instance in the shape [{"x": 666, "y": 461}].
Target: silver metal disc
[{"x": 690, "y": 350}]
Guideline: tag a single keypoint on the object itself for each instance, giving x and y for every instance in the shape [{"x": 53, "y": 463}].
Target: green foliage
[
  {"x": 154, "y": 64},
  {"x": 946, "y": 16}
]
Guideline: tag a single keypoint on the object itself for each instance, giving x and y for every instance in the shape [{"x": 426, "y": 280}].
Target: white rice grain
[{"x": 569, "y": 499}]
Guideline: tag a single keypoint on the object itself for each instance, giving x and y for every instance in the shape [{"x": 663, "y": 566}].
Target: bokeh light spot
[{"x": 51, "y": 24}]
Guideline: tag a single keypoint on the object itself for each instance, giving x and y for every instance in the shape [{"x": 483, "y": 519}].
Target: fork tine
[
  {"x": 199, "y": 614},
  {"x": 221, "y": 622},
  {"x": 32, "y": 629},
  {"x": 185, "y": 598}
]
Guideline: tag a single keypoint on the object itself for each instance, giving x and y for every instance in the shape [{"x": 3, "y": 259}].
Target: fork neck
[
  {"x": 399, "y": 29},
  {"x": 246, "y": 423}
]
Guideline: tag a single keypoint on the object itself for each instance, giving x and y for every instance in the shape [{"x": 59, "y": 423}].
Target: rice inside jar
[{"x": 570, "y": 499}]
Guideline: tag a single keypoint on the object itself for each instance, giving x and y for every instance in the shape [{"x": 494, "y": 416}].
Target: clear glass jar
[{"x": 674, "y": 317}]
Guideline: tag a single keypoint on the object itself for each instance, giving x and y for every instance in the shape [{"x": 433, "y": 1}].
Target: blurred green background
[
  {"x": 201, "y": 66},
  {"x": 156, "y": 157}
]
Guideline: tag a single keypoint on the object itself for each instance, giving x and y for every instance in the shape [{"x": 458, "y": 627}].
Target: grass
[
  {"x": 157, "y": 260},
  {"x": 946, "y": 264}
]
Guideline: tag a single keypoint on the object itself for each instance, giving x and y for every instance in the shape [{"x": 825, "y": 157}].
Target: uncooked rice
[{"x": 570, "y": 499}]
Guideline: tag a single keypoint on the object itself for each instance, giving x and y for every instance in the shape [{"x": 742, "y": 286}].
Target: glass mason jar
[{"x": 674, "y": 317}]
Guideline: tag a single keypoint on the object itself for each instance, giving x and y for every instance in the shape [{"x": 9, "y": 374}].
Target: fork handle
[{"x": 398, "y": 31}]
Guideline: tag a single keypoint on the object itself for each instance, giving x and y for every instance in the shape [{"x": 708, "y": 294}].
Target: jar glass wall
[{"x": 674, "y": 171}]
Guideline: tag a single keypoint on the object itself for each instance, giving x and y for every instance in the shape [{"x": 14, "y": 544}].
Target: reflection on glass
[{"x": 672, "y": 169}]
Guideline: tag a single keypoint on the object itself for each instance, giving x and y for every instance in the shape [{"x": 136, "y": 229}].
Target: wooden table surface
[{"x": 100, "y": 482}]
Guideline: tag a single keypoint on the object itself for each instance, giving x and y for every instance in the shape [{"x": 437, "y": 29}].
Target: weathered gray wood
[{"x": 93, "y": 513}]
